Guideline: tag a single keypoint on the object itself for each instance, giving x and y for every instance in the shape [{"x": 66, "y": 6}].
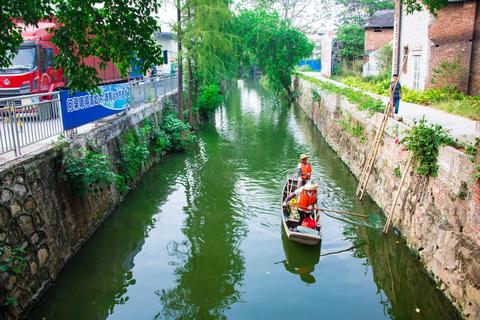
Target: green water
[{"x": 200, "y": 237}]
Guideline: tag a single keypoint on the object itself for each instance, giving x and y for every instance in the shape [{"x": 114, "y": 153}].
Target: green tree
[
  {"x": 351, "y": 39},
  {"x": 357, "y": 11},
  {"x": 275, "y": 46},
  {"x": 110, "y": 30},
  {"x": 432, "y": 5}
]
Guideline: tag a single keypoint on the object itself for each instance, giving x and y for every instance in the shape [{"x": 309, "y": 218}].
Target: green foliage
[
  {"x": 316, "y": 96},
  {"x": 109, "y": 30},
  {"x": 135, "y": 150},
  {"x": 351, "y": 38},
  {"x": 447, "y": 98},
  {"x": 273, "y": 44},
  {"x": 178, "y": 132},
  {"x": 87, "y": 170},
  {"x": 396, "y": 172},
  {"x": 477, "y": 174},
  {"x": 13, "y": 260},
  {"x": 209, "y": 40},
  {"x": 384, "y": 61},
  {"x": 353, "y": 127},
  {"x": 363, "y": 101},
  {"x": 417, "y": 5},
  {"x": 210, "y": 100},
  {"x": 424, "y": 141}
]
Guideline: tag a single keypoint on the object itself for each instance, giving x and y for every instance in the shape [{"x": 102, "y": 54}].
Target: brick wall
[
  {"x": 396, "y": 35},
  {"x": 475, "y": 65},
  {"x": 451, "y": 34},
  {"x": 376, "y": 40}
]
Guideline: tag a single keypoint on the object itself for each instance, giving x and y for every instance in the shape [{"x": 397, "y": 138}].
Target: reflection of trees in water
[
  {"x": 402, "y": 283},
  {"x": 110, "y": 253},
  {"x": 210, "y": 263}
]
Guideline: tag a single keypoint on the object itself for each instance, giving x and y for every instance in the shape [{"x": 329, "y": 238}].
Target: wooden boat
[{"x": 290, "y": 223}]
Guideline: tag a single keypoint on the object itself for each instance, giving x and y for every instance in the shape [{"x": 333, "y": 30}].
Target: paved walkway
[{"x": 461, "y": 128}]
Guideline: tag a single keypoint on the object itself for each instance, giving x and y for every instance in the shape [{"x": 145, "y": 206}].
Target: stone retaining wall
[
  {"x": 438, "y": 216},
  {"x": 41, "y": 213}
]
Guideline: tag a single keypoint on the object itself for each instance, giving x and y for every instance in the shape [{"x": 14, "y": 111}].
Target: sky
[{"x": 321, "y": 12}]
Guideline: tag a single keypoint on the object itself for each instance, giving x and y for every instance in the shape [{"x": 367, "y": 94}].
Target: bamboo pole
[
  {"x": 343, "y": 212},
  {"x": 392, "y": 210}
]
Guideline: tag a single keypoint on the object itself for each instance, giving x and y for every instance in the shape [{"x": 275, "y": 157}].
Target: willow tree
[
  {"x": 209, "y": 44},
  {"x": 275, "y": 46}
]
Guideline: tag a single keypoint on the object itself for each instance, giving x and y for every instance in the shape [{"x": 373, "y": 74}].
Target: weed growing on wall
[
  {"x": 134, "y": 151},
  {"x": 316, "y": 96},
  {"x": 424, "y": 141},
  {"x": 353, "y": 127},
  {"x": 87, "y": 170},
  {"x": 11, "y": 261},
  {"x": 396, "y": 172}
]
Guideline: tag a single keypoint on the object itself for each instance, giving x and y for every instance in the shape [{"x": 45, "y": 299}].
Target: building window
[
  {"x": 405, "y": 60},
  {"x": 416, "y": 72}
]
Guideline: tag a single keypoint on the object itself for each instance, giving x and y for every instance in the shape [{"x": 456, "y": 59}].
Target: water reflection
[
  {"x": 300, "y": 259},
  {"x": 210, "y": 267}
]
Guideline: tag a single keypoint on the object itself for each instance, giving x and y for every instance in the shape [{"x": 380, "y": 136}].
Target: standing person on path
[
  {"x": 304, "y": 170},
  {"x": 397, "y": 92},
  {"x": 307, "y": 200}
]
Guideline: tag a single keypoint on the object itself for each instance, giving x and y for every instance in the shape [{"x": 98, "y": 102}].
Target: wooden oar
[{"x": 343, "y": 212}]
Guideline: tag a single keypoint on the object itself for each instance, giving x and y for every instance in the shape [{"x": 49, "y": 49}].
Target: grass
[
  {"x": 363, "y": 101},
  {"x": 446, "y": 99}
]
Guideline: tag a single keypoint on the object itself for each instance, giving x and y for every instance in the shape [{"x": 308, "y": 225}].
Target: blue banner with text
[{"x": 80, "y": 108}]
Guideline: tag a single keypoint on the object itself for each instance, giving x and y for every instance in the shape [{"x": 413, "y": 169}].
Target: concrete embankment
[
  {"x": 44, "y": 217},
  {"x": 438, "y": 216}
]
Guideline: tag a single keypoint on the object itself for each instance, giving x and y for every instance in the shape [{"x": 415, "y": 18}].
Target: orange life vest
[
  {"x": 305, "y": 200},
  {"x": 306, "y": 171}
]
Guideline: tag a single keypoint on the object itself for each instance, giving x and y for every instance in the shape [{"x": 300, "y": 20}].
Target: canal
[{"x": 200, "y": 237}]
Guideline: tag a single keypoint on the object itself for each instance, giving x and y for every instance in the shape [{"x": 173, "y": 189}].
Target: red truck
[{"x": 31, "y": 70}]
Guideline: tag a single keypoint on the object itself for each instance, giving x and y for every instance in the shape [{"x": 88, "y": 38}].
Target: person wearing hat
[
  {"x": 304, "y": 170},
  {"x": 307, "y": 200}
]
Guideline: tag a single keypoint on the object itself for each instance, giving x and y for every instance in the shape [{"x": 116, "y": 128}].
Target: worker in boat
[
  {"x": 307, "y": 200},
  {"x": 304, "y": 170}
]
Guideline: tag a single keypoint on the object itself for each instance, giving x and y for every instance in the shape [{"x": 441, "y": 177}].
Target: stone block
[
  {"x": 8, "y": 178},
  {"x": 6, "y": 197},
  {"x": 20, "y": 189},
  {"x": 16, "y": 208},
  {"x": 30, "y": 205},
  {"x": 42, "y": 256},
  {"x": 25, "y": 223}
]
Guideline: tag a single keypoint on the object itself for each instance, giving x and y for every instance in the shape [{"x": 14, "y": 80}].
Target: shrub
[
  {"x": 384, "y": 60},
  {"x": 134, "y": 151},
  {"x": 178, "y": 132},
  {"x": 210, "y": 99},
  {"x": 87, "y": 170},
  {"x": 424, "y": 140}
]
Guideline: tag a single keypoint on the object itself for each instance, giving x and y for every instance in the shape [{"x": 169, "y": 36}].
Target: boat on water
[{"x": 290, "y": 222}]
